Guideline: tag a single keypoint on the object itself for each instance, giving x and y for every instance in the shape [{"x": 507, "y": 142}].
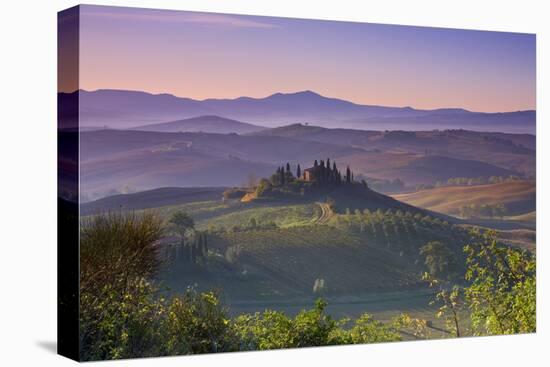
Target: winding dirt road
[{"x": 326, "y": 213}]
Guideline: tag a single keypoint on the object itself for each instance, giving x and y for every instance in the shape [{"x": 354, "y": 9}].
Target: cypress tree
[
  {"x": 196, "y": 252},
  {"x": 348, "y": 175},
  {"x": 287, "y": 167},
  {"x": 298, "y": 171},
  {"x": 200, "y": 246},
  {"x": 315, "y": 164},
  {"x": 192, "y": 253}
]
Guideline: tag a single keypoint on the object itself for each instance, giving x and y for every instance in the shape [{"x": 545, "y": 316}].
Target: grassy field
[
  {"x": 230, "y": 213},
  {"x": 282, "y": 216}
]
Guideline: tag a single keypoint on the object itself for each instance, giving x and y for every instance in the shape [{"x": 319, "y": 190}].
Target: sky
[{"x": 208, "y": 55}]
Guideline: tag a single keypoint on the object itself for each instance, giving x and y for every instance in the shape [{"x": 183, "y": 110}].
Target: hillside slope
[
  {"x": 207, "y": 124},
  {"x": 152, "y": 199},
  {"x": 511, "y": 151},
  {"x": 352, "y": 259},
  {"x": 519, "y": 197},
  {"x": 415, "y": 169},
  {"x": 112, "y": 160}
]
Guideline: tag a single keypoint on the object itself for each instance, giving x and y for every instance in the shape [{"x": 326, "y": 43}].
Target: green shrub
[
  {"x": 117, "y": 247},
  {"x": 197, "y": 323},
  {"x": 262, "y": 331},
  {"x": 502, "y": 290},
  {"x": 118, "y": 253},
  {"x": 120, "y": 325},
  {"x": 368, "y": 330}
]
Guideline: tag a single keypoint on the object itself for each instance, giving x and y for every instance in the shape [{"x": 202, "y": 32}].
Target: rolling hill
[
  {"x": 164, "y": 196},
  {"x": 514, "y": 152},
  {"x": 115, "y": 161},
  {"x": 354, "y": 254},
  {"x": 415, "y": 169},
  {"x": 275, "y": 249},
  {"x": 341, "y": 198},
  {"x": 519, "y": 197},
  {"x": 438, "y": 168},
  {"x": 207, "y": 124}
]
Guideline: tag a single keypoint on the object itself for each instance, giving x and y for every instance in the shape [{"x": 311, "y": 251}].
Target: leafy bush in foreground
[
  {"x": 502, "y": 293},
  {"x": 197, "y": 323},
  {"x": 500, "y": 289},
  {"x": 117, "y": 315}
]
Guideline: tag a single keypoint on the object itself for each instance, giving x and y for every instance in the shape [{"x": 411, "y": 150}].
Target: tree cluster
[
  {"x": 472, "y": 181},
  {"x": 193, "y": 246},
  {"x": 282, "y": 176},
  {"x": 401, "y": 231},
  {"x": 323, "y": 173}
]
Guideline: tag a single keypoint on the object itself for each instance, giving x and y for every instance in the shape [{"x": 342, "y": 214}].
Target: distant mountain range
[{"x": 122, "y": 109}]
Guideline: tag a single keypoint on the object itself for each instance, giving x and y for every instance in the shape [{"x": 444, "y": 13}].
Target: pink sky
[{"x": 199, "y": 55}]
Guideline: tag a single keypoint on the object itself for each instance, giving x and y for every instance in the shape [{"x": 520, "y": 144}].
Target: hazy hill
[
  {"x": 440, "y": 168},
  {"x": 512, "y": 122},
  {"x": 124, "y": 109},
  {"x": 511, "y": 151},
  {"x": 207, "y": 124},
  {"x": 519, "y": 197},
  {"x": 152, "y": 199},
  {"x": 416, "y": 169},
  {"x": 114, "y": 161},
  {"x": 126, "y": 160},
  {"x": 272, "y": 149},
  {"x": 437, "y": 141}
]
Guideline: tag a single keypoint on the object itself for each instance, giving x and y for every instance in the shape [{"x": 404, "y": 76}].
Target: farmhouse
[{"x": 309, "y": 174}]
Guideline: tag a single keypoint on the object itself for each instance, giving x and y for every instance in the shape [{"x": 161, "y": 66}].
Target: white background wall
[{"x": 28, "y": 180}]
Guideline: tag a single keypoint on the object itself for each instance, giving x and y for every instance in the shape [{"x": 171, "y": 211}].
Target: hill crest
[{"x": 206, "y": 123}]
